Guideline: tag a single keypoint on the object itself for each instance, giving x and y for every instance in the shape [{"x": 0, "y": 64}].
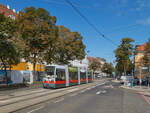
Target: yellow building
[
  {"x": 23, "y": 72},
  {"x": 139, "y": 64}
]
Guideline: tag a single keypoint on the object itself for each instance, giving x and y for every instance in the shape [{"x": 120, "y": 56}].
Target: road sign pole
[{"x": 140, "y": 78}]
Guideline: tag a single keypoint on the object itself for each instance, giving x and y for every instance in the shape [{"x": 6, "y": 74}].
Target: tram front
[{"x": 49, "y": 78}]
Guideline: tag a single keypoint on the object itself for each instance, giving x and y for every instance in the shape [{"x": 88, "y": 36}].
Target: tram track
[
  {"x": 35, "y": 100},
  {"x": 35, "y": 92},
  {"x": 33, "y": 95}
]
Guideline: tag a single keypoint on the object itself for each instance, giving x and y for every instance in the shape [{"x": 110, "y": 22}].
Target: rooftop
[{"x": 7, "y": 12}]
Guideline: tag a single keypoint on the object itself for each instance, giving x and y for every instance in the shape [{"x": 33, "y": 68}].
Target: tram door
[
  {"x": 60, "y": 77},
  {"x": 73, "y": 76},
  {"x": 82, "y": 76}
]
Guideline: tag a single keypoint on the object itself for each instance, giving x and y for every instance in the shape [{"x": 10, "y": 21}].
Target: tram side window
[
  {"x": 83, "y": 75},
  {"x": 89, "y": 75},
  {"x": 73, "y": 75},
  {"x": 60, "y": 74}
]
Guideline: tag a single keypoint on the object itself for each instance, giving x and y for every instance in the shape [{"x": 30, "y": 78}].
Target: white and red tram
[{"x": 57, "y": 76}]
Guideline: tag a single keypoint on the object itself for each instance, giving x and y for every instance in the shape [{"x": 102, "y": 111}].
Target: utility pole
[{"x": 140, "y": 77}]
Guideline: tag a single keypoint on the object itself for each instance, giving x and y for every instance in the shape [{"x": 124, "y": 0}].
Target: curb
[{"x": 137, "y": 90}]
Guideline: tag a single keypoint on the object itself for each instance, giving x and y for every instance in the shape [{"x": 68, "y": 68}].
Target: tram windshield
[{"x": 49, "y": 70}]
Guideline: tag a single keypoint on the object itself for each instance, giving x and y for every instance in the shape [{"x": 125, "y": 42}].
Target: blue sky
[{"x": 114, "y": 18}]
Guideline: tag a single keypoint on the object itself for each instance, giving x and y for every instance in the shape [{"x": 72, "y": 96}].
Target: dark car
[{"x": 136, "y": 81}]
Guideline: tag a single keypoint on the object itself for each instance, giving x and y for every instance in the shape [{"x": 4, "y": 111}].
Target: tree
[
  {"x": 123, "y": 54},
  {"x": 95, "y": 65},
  {"x": 37, "y": 32},
  {"x": 146, "y": 58},
  {"x": 9, "y": 51},
  {"x": 69, "y": 46},
  {"x": 108, "y": 68},
  {"x": 145, "y": 61}
]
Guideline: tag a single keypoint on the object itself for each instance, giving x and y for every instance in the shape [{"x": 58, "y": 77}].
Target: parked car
[
  {"x": 136, "y": 81},
  {"x": 124, "y": 79}
]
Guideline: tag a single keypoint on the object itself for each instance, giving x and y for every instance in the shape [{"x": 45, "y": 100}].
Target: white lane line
[
  {"x": 100, "y": 84},
  {"x": 35, "y": 109},
  {"x": 59, "y": 100},
  {"x": 99, "y": 92},
  {"x": 88, "y": 88},
  {"x": 104, "y": 91},
  {"x": 83, "y": 91}
]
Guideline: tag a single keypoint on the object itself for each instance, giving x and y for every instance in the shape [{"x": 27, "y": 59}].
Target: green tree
[
  {"x": 37, "y": 31},
  {"x": 123, "y": 54},
  {"x": 146, "y": 58},
  {"x": 9, "y": 54},
  {"x": 108, "y": 68},
  {"x": 95, "y": 65},
  {"x": 145, "y": 61},
  {"x": 69, "y": 46}
]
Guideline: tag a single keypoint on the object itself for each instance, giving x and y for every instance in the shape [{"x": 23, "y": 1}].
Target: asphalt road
[{"x": 108, "y": 98}]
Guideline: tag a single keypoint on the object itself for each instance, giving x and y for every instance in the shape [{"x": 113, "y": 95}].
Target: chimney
[
  {"x": 8, "y": 7},
  {"x": 14, "y": 10}
]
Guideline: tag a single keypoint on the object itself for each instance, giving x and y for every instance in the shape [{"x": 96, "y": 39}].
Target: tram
[{"x": 57, "y": 76}]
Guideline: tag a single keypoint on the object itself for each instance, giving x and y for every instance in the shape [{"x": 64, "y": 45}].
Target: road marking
[
  {"x": 83, "y": 91},
  {"x": 88, "y": 88},
  {"x": 59, "y": 100},
  {"x": 109, "y": 86},
  {"x": 100, "y": 84},
  {"x": 104, "y": 91},
  {"x": 35, "y": 109},
  {"x": 99, "y": 92}
]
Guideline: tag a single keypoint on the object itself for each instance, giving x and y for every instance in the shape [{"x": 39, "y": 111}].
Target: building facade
[
  {"x": 141, "y": 70},
  {"x": 7, "y": 11}
]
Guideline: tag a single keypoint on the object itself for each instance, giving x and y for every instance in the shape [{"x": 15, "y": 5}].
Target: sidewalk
[
  {"x": 5, "y": 90},
  {"x": 143, "y": 89}
]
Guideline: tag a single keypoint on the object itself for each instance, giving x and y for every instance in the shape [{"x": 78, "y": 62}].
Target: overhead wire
[{"x": 91, "y": 24}]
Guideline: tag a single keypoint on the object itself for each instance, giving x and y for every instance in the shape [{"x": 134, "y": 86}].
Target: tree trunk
[
  {"x": 5, "y": 70},
  {"x": 124, "y": 69},
  {"x": 6, "y": 74},
  {"x": 34, "y": 72}
]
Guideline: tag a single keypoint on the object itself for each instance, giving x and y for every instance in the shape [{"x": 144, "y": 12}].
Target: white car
[{"x": 124, "y": 79}]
